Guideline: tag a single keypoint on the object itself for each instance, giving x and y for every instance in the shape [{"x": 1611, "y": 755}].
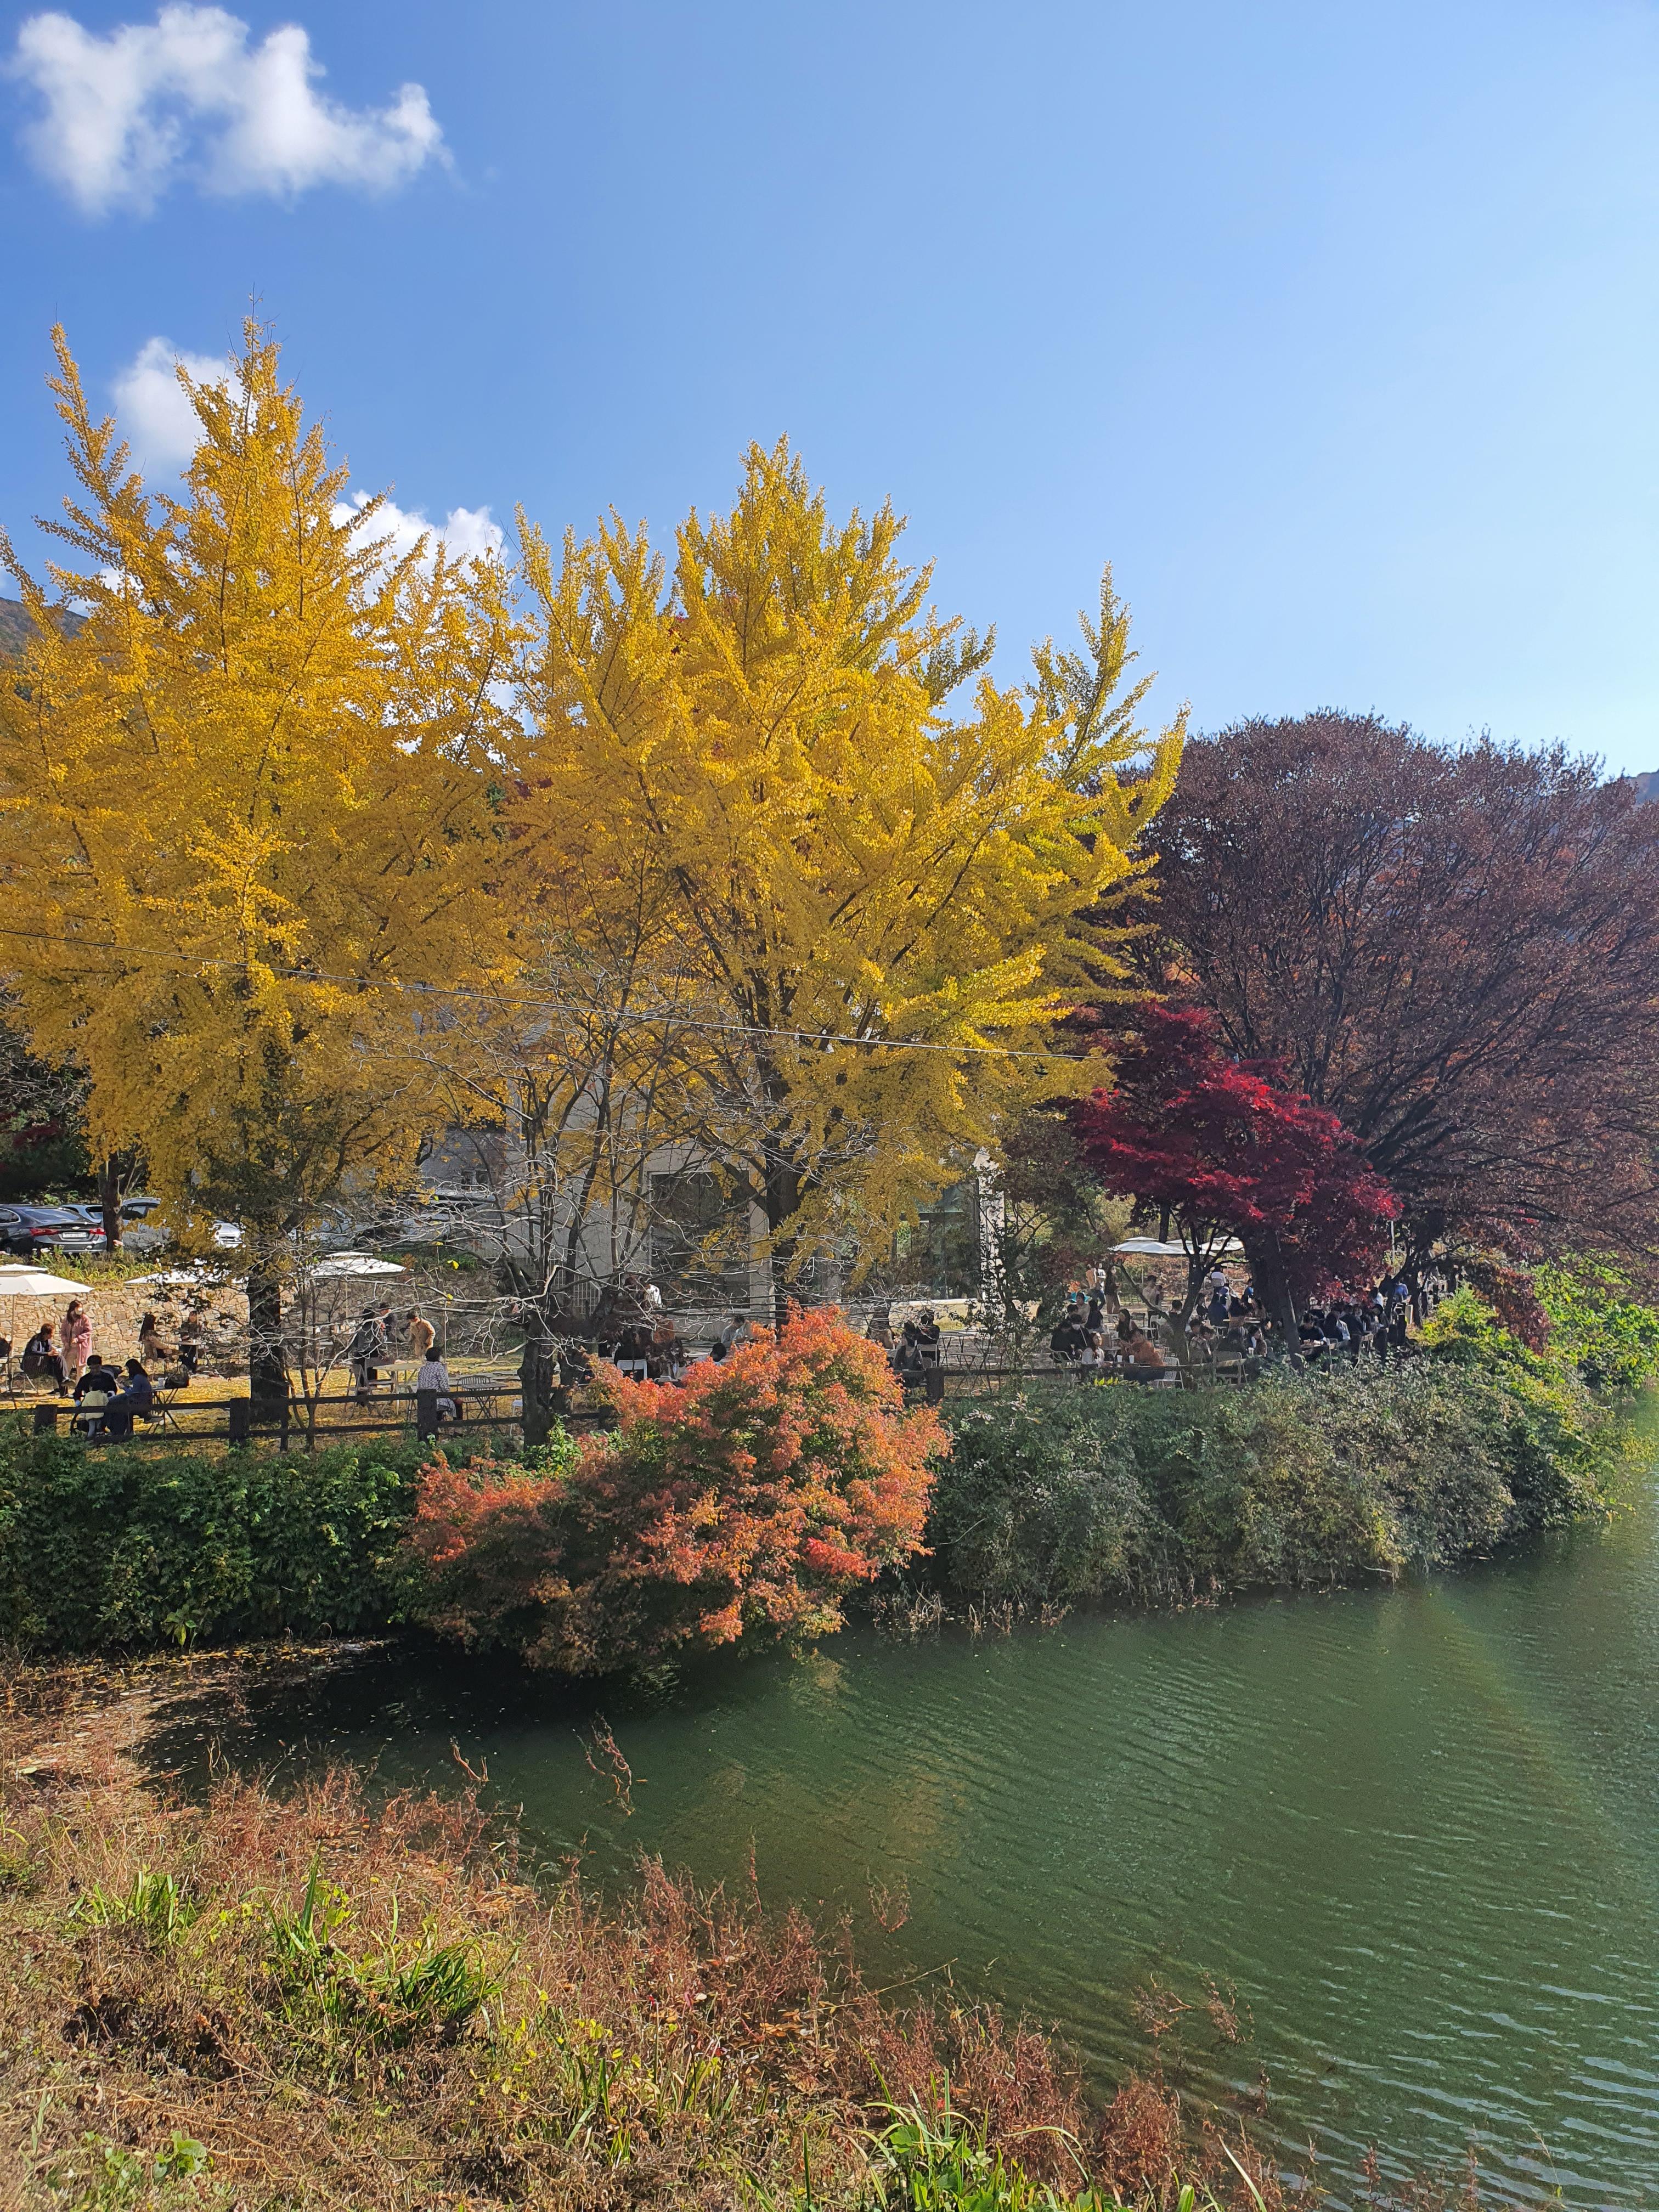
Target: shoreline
[{"x": 155, "y": 1927}]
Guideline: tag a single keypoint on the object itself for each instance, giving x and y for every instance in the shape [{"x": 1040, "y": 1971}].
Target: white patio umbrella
[
  {"x": 26, "y": 1282},
  {"x": 354, "y": 1263},
  {"x": 1149, "y": 1247},
  {"x": 340, "y": 1267}
]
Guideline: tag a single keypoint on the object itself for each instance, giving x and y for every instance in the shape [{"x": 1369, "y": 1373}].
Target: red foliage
[
  {"x": 1452, "y": 947},
  {"x": 1222, "y": 1143},
  {"x": 748, "y": 1503},
  {"x": 1510, "y": 1293}
]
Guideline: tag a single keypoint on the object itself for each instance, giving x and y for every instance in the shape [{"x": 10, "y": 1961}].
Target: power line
[{"x": 138, "y": 955}]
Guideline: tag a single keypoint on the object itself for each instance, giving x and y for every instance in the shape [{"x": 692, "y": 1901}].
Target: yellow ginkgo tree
[
  {"x": 878, "y": 902},
  {"x": 245, "y": 814}
]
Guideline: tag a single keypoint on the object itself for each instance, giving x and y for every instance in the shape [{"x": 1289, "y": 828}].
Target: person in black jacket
[
  {"x": 41, "y": 1356},
  {"x": 137, "y": 1396},
  {"x": 1068, "y": 1340}
]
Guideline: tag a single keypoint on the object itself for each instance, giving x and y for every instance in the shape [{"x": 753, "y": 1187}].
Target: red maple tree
[
  {"x": 1455, "y": 948},
  {"x": 1223, "y": 1145}
]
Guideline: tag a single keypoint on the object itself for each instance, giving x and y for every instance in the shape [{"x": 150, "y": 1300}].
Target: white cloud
[
  {"x": 465, "y": 532},
  {"x": 126, "y": 114},
  {"x": 157, "y": 419}
]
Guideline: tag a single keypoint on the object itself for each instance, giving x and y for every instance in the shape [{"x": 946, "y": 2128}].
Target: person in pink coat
[{"x": 77, "y": 1340}]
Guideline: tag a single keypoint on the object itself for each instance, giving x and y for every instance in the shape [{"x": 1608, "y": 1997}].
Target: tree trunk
[
  {"x": 785, "y": 1293},
  {"x": 267, "y": 1362},
  {"x": 1267, "y": 1267},
  {"x": 109, "y": 1201},
  {"x": 783, "y": 1200},
  {"x": 537, "y": 1376},
  {"x": 1195, "y": 1275}
]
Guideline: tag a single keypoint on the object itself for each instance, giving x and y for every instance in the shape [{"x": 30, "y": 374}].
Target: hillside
[{"x": 14, "y": 625}]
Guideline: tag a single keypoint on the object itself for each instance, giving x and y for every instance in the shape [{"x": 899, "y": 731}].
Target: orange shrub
[{"x": 747, "y": 1503}]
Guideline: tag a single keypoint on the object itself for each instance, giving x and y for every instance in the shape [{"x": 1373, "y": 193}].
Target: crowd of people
[
  {"x": 1228, "y": 1327},
  {"x": 108, "y": 1399},
  {"x": 1096, "y": 1335},
  {"x": 62, "y": 1354}
]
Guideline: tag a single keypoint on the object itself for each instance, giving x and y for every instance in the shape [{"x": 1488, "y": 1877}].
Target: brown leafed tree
[{"x": 1456, "y": 951}]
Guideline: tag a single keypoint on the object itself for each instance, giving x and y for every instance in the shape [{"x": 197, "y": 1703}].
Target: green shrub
[
  {"x": 748, "y": 1504},
  {"x": 1300, "y": 1480},
  {"x": 104, "y": 1549},
  {"x": 1610, "y": 1337}
]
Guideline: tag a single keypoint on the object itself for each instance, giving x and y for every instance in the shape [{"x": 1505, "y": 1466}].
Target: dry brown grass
[{"x": 439, "y": 2033}]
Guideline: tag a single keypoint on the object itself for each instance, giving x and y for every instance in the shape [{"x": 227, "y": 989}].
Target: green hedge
[
  {"x": 103, "y": 1549},
  {"x": 1299, "y": 1481},
  {"x": 1090, "y": 1494}
]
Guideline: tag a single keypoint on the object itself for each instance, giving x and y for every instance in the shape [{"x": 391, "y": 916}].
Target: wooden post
[
  {"x": 241, "y": 1420},
  {"x": 45, "y": 1420}
]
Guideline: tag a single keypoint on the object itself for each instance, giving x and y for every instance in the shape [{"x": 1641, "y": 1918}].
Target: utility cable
[{"x": 139, "y": 955}]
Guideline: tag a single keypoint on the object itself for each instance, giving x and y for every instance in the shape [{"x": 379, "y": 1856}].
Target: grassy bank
[
  {"x": 331, "y": 1999},
  {"x": 1303, "y": 1480}
]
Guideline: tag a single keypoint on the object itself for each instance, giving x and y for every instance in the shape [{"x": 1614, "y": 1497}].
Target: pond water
[{"x": 1413, "y": 1829}]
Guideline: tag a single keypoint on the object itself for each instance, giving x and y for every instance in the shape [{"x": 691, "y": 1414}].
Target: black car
[{"x": 36, "y": 1228}]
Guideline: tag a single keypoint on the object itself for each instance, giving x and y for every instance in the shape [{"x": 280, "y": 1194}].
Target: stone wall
[{"x": 118, "y": 1308}]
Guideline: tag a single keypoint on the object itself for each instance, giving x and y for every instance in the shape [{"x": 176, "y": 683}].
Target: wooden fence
[{"x": 492, "y": 1404}]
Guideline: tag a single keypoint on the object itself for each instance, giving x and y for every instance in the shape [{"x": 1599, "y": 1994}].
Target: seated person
[
  {"x": 1068, "y": 1340},
  {"x": 191, "y": 1335},
  {"x": 137, "y": 1396},
  {"x": 433, "y": 1374},
  {"x": 1145, "y": 1360},
  {"x": 908, "y": 1362},
  {"x": 151, "y": 1350},
  {"x": 666, "y": 1359},
  {"x": 634, "y": 1354},
  {"x": 575, "y": 1368},
  {"x": 98, "y": 1384},
  {"x": 41, "y": 1359},
  {"x": 735, "y": 1332}
]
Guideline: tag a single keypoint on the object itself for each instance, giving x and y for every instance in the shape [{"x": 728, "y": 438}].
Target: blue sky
[{"x": 1333, "y": 327}]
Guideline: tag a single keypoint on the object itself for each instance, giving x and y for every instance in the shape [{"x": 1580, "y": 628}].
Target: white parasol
[
  {"x": 354, "y": 1263},
  {"x": 25, "y": 1282},
  {"x": 21, "y": 1281},
  {"x": 1149, "y": 1247}
]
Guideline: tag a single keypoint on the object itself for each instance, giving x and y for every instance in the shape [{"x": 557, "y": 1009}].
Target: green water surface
[{"x": 1413, "y": 1829}]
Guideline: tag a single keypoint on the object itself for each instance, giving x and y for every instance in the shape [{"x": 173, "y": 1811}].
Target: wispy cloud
[
  {"x": 189, "y": 97},
  {"x": 465, "y": 532},
  {"x": 157, "y": 419}
]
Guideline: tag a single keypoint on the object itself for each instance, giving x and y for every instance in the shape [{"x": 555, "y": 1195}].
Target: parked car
[
  {"x": 92, "y": 1215},
  {"x": 29, "y": 1229},
  {"x": 141, "y": 1224}
]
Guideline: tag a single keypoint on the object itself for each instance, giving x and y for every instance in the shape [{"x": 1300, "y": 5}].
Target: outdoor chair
[{"x": 159, "y": 1413}]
